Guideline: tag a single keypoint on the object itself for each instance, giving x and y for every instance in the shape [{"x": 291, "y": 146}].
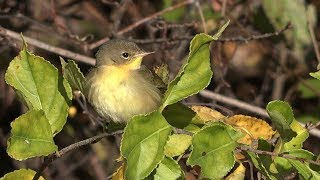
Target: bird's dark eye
[{"x": 125, "y": 55}]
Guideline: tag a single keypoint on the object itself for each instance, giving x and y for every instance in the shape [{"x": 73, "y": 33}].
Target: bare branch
[
  {"x": 257, "y": 37},
  {"x": 314, "y": 42},
  {"x": 47, "y": 47}
]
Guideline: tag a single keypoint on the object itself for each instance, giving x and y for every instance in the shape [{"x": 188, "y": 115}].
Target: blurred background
[{"x": 266, "y": 53}]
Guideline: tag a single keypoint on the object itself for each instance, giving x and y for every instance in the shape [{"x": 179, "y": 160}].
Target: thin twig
[
  {"x": 71, "y": 147},
  {"x": 248, "y": 107},
  {"x": 47, "y": 47},
  {"x": 238, "y": 38},
  {"x": 138, "y": 23},
  {"x": 119, "y": 14},
  {"x": 280, "y": 78},
  {"x": 257, "y": 37},
  {"x": 91, "y": 61},
  {"x": 288, "y": 156},
  {"x": 314, "y": 42},
  {"x": 223, "y": 8},
  {"x": 203, "y": 22}
]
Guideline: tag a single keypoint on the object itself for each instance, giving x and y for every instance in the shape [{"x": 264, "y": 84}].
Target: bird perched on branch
[{"x": 118, "y": 86}]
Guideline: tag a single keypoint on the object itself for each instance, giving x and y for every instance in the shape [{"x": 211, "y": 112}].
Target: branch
[
  {"x": 138, "y": 23},
  {"x": 239, "y": 38},
  {"x": 71, "y": 147},
  {"x": 257, "y": 37},
  {"x": 288, "y": 156},
  {"x": 47, "y": 47},
  {"x": 248, "y": 107}
]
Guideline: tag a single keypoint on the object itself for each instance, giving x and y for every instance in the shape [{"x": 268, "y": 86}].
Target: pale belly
[{"x": 121, "y": 95}]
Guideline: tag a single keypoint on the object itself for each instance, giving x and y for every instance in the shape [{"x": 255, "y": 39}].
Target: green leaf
[
  {"x": 192, "y": 128},
  {"x": 177, "y": 144},
  {"x": 143, "y": 144},
  {"x": 195, "y": 74},
  {"x": 316, "y": 75},
  {"x": 264, "y": 163},
  {"x": 178, "y": 115},
  {"x": 31, "y": 136},
  {"x": 281, "y": 13},
  {"x": 72, "y": 74},
  {"x": 296, "y": 142},
  {"x": 41, "y": 86},
  {"x": 303, "y": 168},
  {"x": 213, "y": 148},
  {"x": 168, "y": 169},
  {"x": 309, "y": 88},
  {"x": 175, "y": 15},
  {"x": 282, "y": 116},
  {"x": 25, "y": 174},
  {"x": 311, "y": 117}
]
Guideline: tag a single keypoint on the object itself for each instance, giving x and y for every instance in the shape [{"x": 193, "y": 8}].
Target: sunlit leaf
[
  {"x": 177, "y": 144},
  {"x": 168, "y": 169},
  {"x": 41, "y": 86},
  {"x": 195, "y": 74},
  {"x": 296, "y": 142},
  {"x": 282, "y": 116},
  {"x": 23, "y": 174},
  {"x": 213, "y": 148},
  {"x": 192, "y": 128},
  {"x": 143, "y": 144},
  {"x": 316, "y": 75},
  {"x": 31, "y": 136}
]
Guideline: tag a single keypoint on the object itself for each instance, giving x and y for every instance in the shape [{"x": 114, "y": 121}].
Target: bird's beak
[{"x": 142, "y": 54}]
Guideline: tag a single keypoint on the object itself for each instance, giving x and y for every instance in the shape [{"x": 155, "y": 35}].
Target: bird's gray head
[{"x": 116, "y": 52}]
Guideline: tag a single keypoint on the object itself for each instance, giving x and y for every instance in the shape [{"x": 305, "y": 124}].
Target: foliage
[
  {"x": 281, "y": 14},
  {"x": 153, "y": 144}
]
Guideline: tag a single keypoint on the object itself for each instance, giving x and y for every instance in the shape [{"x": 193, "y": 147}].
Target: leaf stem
[{"x": 288, "y": 156}]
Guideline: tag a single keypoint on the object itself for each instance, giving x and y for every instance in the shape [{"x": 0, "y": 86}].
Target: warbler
[{"x": 119, "y": 86}]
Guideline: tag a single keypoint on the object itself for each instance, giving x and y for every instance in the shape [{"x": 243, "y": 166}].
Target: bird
[{"x": 119, "y": 86}]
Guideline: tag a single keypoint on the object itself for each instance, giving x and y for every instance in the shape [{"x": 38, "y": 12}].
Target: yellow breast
[{"x": 120, "y": 93}]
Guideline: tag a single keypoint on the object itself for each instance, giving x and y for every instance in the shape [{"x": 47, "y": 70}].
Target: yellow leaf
[
  {"x": 253, "y": 127},
  {"x": 205, "y": 114},
  {"x": 119, "y": 174},
  {"x": 237, "y": 174}
]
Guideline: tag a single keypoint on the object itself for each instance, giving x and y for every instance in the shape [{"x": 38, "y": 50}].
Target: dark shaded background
[{"x": 255, "y": 71}]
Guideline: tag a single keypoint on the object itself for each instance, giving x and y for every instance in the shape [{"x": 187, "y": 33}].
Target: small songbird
[{"x": 118, "y": 86}]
